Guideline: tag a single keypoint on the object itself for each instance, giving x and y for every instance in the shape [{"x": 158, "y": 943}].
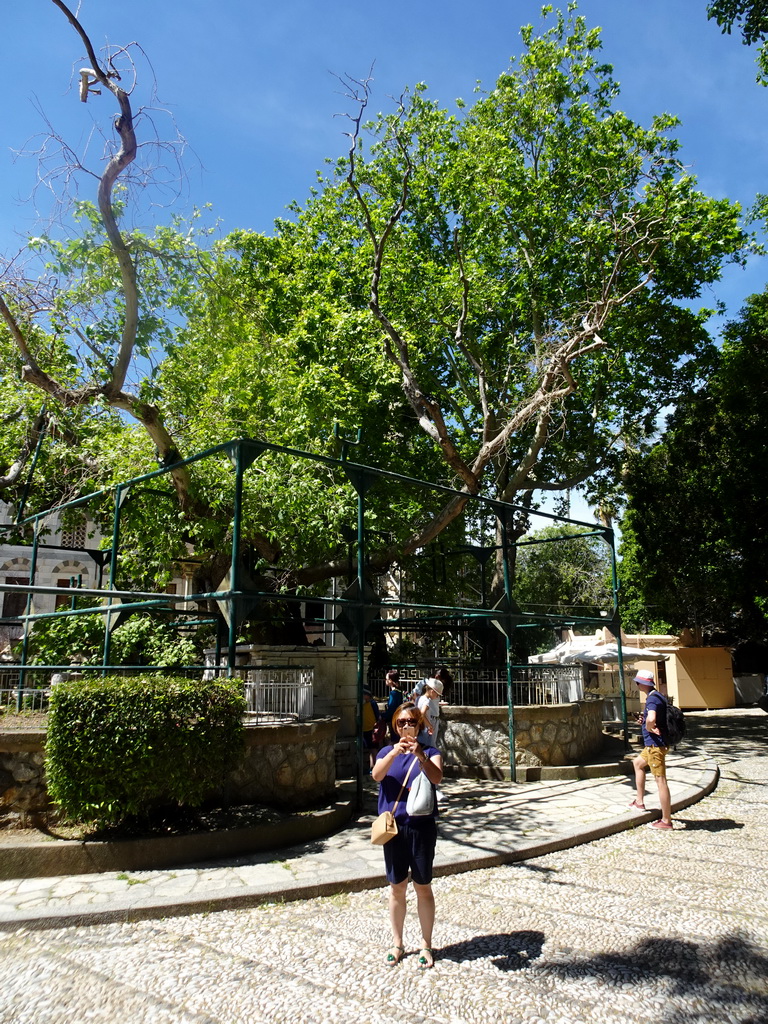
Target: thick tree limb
[
  {"x": 123, "y": 158},
  {"x": 13, "y": 474}
]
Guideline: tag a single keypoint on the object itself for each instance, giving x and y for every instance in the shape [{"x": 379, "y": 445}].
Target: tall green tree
[
  {"x": 522, "y": 264},
  {"x": 693, "y": 538},
  {"x": 493, "y": 294}
]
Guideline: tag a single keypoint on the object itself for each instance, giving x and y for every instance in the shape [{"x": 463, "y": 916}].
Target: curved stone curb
[
  {"x": 133, "y": 910},
  {"x": 70, "y": 857},
  {"x": 528, "y": 849}
]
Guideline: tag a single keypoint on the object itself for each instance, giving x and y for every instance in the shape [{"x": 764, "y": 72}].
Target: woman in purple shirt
[{"x": 413, "y": 848}]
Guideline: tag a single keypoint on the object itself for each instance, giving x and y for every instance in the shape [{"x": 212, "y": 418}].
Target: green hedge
[{"x": 120, "y": 746}]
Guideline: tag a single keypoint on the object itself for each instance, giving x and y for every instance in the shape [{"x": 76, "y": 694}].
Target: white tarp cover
[
  {"x": 602, "y": 654},
  {"x": 564, "y": 653},
  {"x": 584, "y": 650}
]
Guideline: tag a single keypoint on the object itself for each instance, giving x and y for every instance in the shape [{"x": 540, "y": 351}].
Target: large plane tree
[{"x": 500, "y": 296}]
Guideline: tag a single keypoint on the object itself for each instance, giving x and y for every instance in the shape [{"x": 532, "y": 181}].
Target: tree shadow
[
  {"x": 728, "y": 739},
  {"x": 700, "y": 979},
  {"x": 507, "y": 951},
  {"x": 539, "y": 869}
]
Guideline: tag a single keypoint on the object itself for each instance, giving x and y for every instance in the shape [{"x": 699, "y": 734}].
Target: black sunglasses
[{"x": 407, "y": 721}]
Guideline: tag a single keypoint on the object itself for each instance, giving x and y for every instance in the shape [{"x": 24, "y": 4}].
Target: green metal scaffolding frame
[{"x": 358, "y": 603}]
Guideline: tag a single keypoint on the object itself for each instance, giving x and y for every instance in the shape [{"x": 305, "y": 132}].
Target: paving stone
[{"x": 569, "y": 937}]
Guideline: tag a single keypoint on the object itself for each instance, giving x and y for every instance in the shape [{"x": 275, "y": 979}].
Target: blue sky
[{"x": 251, "y": 88}]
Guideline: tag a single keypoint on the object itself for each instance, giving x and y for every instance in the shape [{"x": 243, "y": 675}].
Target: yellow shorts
[{"x": 656, "y": 759}]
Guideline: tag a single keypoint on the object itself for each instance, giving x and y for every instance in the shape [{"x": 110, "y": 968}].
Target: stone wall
[
  {"x": 22, "y": 775},
  {"x": 287, "y": 766},
  {"x": 476, "y": 740}
]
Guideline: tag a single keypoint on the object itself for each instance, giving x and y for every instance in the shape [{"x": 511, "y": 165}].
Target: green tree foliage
[
  {"x": 267, "y": 354},
  {"x": 142, "y": 640},
  {"x": 492, "y": 294},
  {"x": 562, "y": 573},
  {"x": 693, "y": 544},
  {"x": 751, "y": 18},
  {"x": 514, "y": 269},
  {"x": 527, "y": 258}
]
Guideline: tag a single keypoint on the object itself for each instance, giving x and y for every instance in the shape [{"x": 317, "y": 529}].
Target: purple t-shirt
[
  {"x": 655, "y": 702},
  {"x": 393, "y": 780}
]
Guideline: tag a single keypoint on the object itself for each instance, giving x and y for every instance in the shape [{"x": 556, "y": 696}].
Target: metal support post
[
  {"x": 120, "y": 495},
  {"x": 609, "y": 539},
  {"x": 508, "y": 644},
  {"x": 28, "y": 611},
  {"x": 234, "y": 572}
]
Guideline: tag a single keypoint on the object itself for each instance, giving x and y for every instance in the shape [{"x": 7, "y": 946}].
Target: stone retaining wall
[
  {"x": 476, "y": 740},
  {"x": 22, "y": 775},
  {"x": 287, "y": 766}
]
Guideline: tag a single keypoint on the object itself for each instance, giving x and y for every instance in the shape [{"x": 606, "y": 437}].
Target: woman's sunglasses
[{"x": 407, "y": 721}]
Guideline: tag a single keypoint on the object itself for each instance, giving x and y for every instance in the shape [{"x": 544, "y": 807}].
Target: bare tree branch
[
  {"x": 111, "y": 389},
  {"x": 427, "y": 409}
]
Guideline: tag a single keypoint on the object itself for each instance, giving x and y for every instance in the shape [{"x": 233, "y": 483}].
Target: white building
[{"x": 67, "y": 556}]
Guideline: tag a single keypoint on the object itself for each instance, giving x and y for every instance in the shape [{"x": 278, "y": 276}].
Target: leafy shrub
[
  {"x": 119, "y": 747},
  {"x": 57, "y": 641},
  {"x": 142, "y": 640}
]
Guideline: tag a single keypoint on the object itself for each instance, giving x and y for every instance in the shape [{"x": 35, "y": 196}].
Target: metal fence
[
  {"x": 34, "y": 692},
  {"x": 273, "y": 694},
  {"x": 479, "y": 686},
  {"x": 278, "y": 694},
  {"x": 32, "y": 699}
]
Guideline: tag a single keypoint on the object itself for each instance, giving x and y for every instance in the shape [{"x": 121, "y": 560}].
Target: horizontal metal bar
[
  {"x": 100, "y": 609},
  {"x": 230, "y": 446},
  {"x": 22, "y": 588}
]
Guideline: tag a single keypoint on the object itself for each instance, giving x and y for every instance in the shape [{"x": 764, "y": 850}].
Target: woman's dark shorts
[{"x": 412, "y": 848}]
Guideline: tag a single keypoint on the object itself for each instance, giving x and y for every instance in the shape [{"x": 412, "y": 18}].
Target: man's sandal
[
  {"x": 426, "y": 958},
  {"x": 394, "y": 956}
]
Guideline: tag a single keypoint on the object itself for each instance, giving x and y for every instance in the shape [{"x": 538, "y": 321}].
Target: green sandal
[
  {"x": 426, "y": 958},
  {"x": 393, "y": 959}
]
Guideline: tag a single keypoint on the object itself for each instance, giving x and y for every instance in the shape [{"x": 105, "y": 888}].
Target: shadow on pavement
[
  {"x": 709, "y": 824},
  {"x": 733, "y": 737},
  {"x": 728, "y": 974},
  {"x": 510, "y": 951}
]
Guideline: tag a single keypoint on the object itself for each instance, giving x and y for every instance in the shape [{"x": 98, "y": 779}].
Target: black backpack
[{"x": 675, "y": 724}]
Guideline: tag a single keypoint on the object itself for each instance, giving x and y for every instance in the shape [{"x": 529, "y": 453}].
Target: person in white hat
[
  {"x": 429, "y": 705},
  {"x": 653, "y": 721}
]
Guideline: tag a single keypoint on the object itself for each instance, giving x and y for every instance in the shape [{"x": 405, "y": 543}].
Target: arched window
[{"x": 69, "y": 573}]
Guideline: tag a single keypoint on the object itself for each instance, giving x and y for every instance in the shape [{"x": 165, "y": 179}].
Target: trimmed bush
[{"x": 117, "y": 747}]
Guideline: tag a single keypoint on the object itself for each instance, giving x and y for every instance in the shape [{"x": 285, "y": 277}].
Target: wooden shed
[
  {"x": 696, "y": 678},
  {"x": 699, "y": 678}
]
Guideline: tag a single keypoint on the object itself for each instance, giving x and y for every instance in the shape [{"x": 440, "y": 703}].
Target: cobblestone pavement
[
  {"x": 638, "y": 926},
  {"x": 482, "y": 824}
]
